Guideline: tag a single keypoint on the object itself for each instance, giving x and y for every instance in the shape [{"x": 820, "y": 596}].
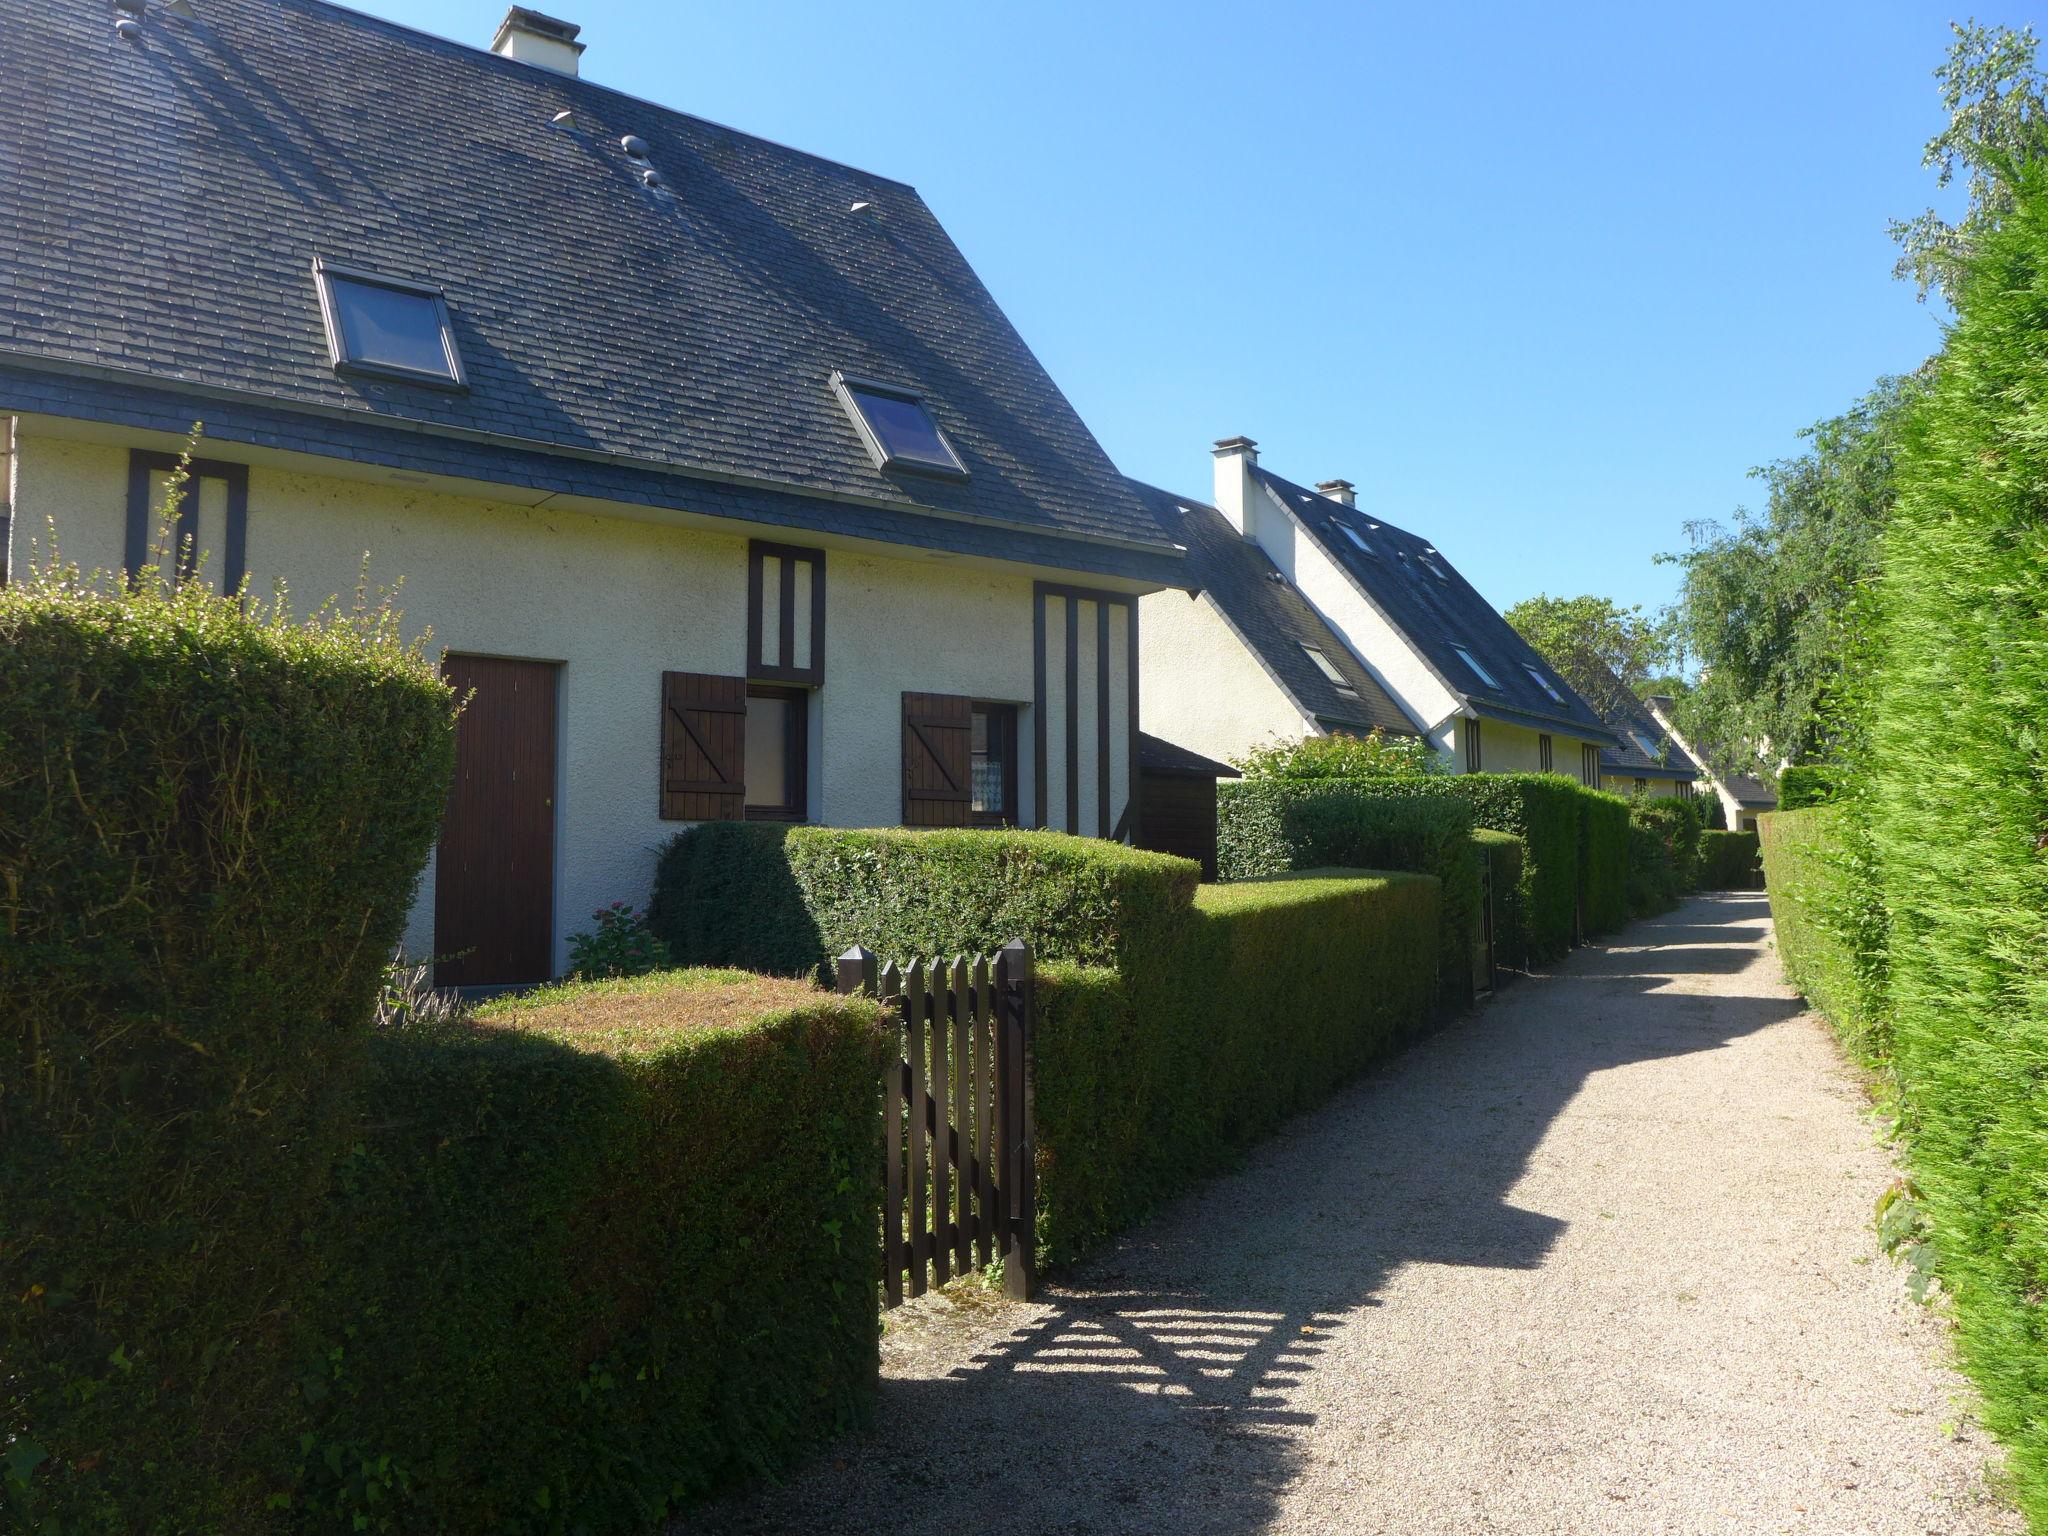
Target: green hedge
[
  {"x": 606, "y": 1250},
  {"x": 1958, "y": 802},
  {"x": 1507, "y": 856},
  {"x": 724, "y": 894},
  {"x": 1728, "y": 860},
  {"x": 1804, "y": 784},
  {"x": 1827, "y": 914},
  {"x": 1277, "y": 991},
  {"x": 211, "y": 823},
  {"x": 1271, "y": 826},
  {"x": 1604, "y": 861},
  {"x": 1664, "y": 853}
]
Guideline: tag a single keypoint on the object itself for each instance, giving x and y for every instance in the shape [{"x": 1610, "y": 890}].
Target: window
[
  {"x": 1589, "y": 766},
  {"x": 993, "y": 751},
  {"x": 1543, "y": 758},
  {"x": 1355, "y": 537},
  {"x": 1644, "y": 744},
  {"x": 1434, "y": 569},
  {"x": 776, "y": 753},
  {"x": 1478, "y": 671},
  {"x": 388, "y": 327},
  {"x": 1543, "y": 683},
  {"x": 785, "y": 613},
  {"x": 210, "y": 538},
  {"x": 1474, "y": 760},
  {"x": 897, "y": 428},
  {"x": 1642, "y": 786},
  {"x": 1325, "y": 666}
]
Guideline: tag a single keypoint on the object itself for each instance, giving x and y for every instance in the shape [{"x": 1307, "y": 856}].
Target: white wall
[
  {"x": 1202, "y": 688},
  {"x": 616, "y": 602}
]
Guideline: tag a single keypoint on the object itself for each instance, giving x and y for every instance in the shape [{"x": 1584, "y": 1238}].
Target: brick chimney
[
  {"x": 542, "y": 41},
  {"x": 1338, "y": 490}
]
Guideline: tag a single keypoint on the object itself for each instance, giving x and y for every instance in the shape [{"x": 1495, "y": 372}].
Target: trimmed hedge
[
  {"x": 1804, "y": 784},
  {"x": 1272, "y": 826},
  {"x": 724, "y": 894},
  {"x": 1506, "y": 854},
  {"x": 1278, "y": 990},
  {"x": 1604, "y": 862},
  {"x": 604, "y": 1250},
  {"x": 1827, "y": 914},
  {"x": 1728, "y": 860},
  {"x": 1664, "y": 853},
  {"x": 211, "y": 824}
]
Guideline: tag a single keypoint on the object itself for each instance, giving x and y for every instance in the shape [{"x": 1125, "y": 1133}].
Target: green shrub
[
  {"x": 605, "y": 1249},
  {"x": 1603, "y": 862},
  {"x": 1664, "y": 842},
  {"x": 1959, "y": 801},
  {"x": 1375, "y": 755},
  {"x": 1506, "y": 855},
  {"x": 211, "y": 824},
  {"x": 1804, "y": 784},
  {"x": 1828, "y": 917},
  {"x": 621, "y": 945},
  {"x": 1277, "y": 991},
  {"x": 1272, "y": 826},
  {"x": 724, "y": 895},
  {"x": 1728, "y": 860}
]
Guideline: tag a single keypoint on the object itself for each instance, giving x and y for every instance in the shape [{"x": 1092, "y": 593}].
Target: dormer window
[
  {"x": 1543, "y": 683},
  {"x": 898, "y": 429},
  {"x": 388, "y": 327},
  {"x": 1478, "y": 671},
  {"x": 1324, "y": 665}
]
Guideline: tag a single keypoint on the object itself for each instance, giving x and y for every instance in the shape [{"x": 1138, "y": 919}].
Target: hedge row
[
  {"x": 1506, "y": 856},
  {"x": 1804, "y": 784},
  {"x": 1664, "y": 852},
  {"x": 609, "y": 1247},
  {"x": 1603, "y": 862},
  {"x": 1823, "y": 906},
  {"x": 1728, "y": 860},
  {"x": 1271, "y": 826},
  {"x": 211, "y": 822}
]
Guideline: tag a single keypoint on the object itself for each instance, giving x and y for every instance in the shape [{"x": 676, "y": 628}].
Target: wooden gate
[{"x": 956, "y": 1118}]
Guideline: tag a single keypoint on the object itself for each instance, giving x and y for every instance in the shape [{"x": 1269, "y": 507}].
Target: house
[
  {"x": 1647, "y": 761},
  {"x": 1316, "y": 616},
  {"x": 1743, "y": 798},
  {"x": 727, "y": 488}
]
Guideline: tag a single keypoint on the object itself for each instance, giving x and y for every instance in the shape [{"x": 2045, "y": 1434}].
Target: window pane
[
  {"x": 991, "y": 762},
  {"x": 768, "y": 752},
  {"x": 905, "y": 429},
  {"x": 389, "y": 326}
]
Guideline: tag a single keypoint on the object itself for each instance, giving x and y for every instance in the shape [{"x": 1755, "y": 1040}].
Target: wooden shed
[{"x": 1178, "y": 793}]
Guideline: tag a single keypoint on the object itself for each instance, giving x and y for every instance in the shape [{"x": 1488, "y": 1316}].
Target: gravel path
[{"x": 1596, "y": 1258}]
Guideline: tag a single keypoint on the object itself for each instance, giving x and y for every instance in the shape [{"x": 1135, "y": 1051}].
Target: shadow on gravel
[{"x": 1159, "y": 1392}]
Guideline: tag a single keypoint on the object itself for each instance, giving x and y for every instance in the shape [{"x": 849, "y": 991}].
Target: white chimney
[
  {"x": 1338, "y": 490},
  {"x": 1236, "y": 494},
  {"x": 542, "y": 41}
]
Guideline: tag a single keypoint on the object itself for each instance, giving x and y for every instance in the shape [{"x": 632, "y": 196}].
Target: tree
[
  {"x": 1997, "y": 101},
  {"x": 1594, "y": 643},
  {"x": 1375, "y": 755},
  {"x": 1773, "y": 608}
]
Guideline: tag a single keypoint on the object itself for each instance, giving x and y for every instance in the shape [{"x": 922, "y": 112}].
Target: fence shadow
[{"x": 1162, "y": 1387}]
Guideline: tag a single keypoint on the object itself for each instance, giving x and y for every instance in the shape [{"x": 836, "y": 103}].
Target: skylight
[
  {"x": 387, "y": 326},
  {"x": 1328, "y": 669},
  {"x": 1478, "y": 671},
  {"x": 1643, "y": 743},
  {"x": 899, "y": 432},
  {"x": 1355, "y": 537},
  {"x": 1543, "y": 683}
]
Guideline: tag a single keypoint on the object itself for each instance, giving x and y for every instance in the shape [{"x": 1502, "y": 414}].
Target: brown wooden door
[{"x": 494, "y": 878}]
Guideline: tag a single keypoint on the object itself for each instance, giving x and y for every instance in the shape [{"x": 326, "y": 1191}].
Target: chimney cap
[
  {"x": 534, "y": 38},
  {"x": 1229, "y": 445},
  {"x": 534, "y": 21},
  {"x": 1336, "y": 490}
]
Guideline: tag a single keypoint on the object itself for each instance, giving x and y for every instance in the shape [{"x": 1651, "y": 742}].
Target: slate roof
[
  {"x": 1627, "y": 717},
  {"x": 1422, "y": 595},
  {"x": 167, "y": 199},
  {"x": 1272, "y": 618},
  {"x": 1158, "y": 755},
  {"x": 1751, "y": 792}
]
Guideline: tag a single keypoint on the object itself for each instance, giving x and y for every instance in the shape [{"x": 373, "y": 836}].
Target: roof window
[
  {"x": 1544, "y": 683},
  {"x": 1478, "y": 671},
  {"x": 1643, "y": 744},
  {"x": 897, "y": 428},
  {"x": 1357, "y": 538},
  {"x": 1325, "y": 666},
  {"x": 388, "y": 327}
]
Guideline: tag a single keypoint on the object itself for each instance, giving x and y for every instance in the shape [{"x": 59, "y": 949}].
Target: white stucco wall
[
  {"x": 1202, "y": 688},
  {"x": 1624, "y": 784},
  {"x": 616, "y": 602}
]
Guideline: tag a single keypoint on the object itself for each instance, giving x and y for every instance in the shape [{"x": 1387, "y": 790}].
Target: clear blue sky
[{"x": 1544, "y": 281}]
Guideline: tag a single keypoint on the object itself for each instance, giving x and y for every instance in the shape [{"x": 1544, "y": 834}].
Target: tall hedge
[
  {"x": 724, "y": 894},
  {"x": 211, "y": 823},
  {"x": 1663, "y": 858},
  {"x": 1505, "y": 856},
  {"x": 1959, "y": 801},
  {"x": 1151, "y": 1078},
  {"x": 600, "y": 1252},
  {"x": 1804, "y": 784},
  {"x": 1271, "y": 826},
  {"x": 1829, "y": 919},
  {"x": 1728, "y": 860}
]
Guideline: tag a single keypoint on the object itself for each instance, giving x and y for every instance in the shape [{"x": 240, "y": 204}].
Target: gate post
[
  {"x": 856, "y": 972},
  {"x": 1018, "y": 992}
]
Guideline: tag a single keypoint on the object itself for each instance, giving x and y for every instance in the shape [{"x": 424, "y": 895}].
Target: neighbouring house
[
  {"x": 1648, "y": 760},
  {"x": 1315, "y": 616},
  {"x": 1743, "y": 798},
  {"x": 722, "y": 480}
]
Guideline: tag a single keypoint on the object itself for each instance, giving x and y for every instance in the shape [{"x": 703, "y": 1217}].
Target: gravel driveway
[{"x": 1598, "y": 1257}]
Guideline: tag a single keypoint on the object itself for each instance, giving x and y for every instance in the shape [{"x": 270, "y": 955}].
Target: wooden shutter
[
  {"x": 938, "y": 760},
  {"x": 703, "y": 747}
]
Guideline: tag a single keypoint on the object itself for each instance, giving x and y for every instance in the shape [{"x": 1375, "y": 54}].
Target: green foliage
[
  {"x": 1275, "y": 992},
  {"x": 211, "y": 823},
  {"x": 1506, "y": 855},
  {"x": 621, "y": 946},
  {"x": 1728, "y": 860},
  {"x": 1273, "y": 826},
  {"x": 1804, "y": 784},
  {"x": 1603, "y": 862},
  {"x": 1826, "y": 908},
  {"x": 1664, "y": 852},
  {"x": 1958, "y": 800},
  {"x": 1997, "y": 102},
  {"x": 1374, "y": 755},
  {"x": 1608, "y": 653},
  {"x": 606, "y": 1249},
  {"x": 724, "y": 895}
]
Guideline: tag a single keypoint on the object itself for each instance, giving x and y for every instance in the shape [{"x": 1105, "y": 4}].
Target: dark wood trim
[
  {"x": 758, "y": 666},
  {"x": 1108, "y": 823},
  {"x": 796, "y": 755},
  {"x": 1038, "y": 767},
  {"x": 144, "y": 462},
  {"x": 1073, "y": 714},
  {"x": 1102, "y": 753},
  {"x": 1544, "y": 756},
  {"x": 1133, "y": 820}
]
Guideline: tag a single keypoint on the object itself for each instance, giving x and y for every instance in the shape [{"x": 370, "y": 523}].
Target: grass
[{"x": 629, "y": 1015}]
